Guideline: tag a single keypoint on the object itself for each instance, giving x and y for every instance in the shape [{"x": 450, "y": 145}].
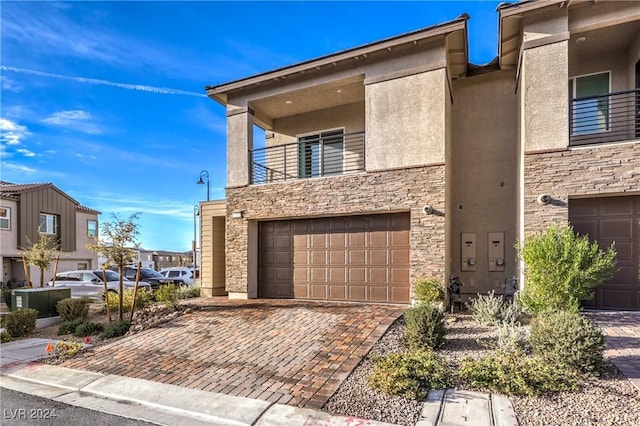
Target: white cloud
[
  {"x": 11, "y": 132},
  {"x": 26, "y": 152},
  {"x": 76, "y": 119},
  {"x": 17, "y": 168},
  {"x": 9, "y": 85}
]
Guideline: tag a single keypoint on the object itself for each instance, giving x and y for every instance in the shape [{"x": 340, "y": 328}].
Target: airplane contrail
[{"x": 138, "y": 87}]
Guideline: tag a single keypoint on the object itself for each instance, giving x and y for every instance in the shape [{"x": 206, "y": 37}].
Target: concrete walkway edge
[{"x": 158, "y": 403}]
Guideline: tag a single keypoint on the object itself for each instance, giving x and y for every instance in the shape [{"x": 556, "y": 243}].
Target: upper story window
[
  {"x": 321, "y": 154},
  {"x": 48, "y": 224},
  {"x": 590, "y": 109},
  {"x": 5, "y": 218},
  {"x": 92, "y": 228}
]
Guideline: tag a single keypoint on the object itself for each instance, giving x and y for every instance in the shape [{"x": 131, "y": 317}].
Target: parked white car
[
  {"x": 89, "y": 283},
  {"x": 184, "y": 273}
]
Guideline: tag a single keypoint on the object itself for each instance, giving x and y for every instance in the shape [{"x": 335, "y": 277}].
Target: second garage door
[
  {"x": 355, "y": 258},
  {"x": 613, "y": 220}
]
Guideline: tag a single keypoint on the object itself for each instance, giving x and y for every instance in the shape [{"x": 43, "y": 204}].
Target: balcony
[
  {"x": 612, "y": 117},
  {"x": 325, "y": 154}
]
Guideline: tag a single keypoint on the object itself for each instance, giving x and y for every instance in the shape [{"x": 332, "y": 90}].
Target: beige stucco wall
[
  {"x": 405, "y": 121},
  {"x": 484, "y": 174},
  {"x": 212, "y": 248},
  {"x": 544, "y": 100},
  {"x": 239, "y": 141}
]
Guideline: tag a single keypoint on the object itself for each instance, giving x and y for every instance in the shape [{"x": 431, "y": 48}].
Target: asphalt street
[{"x": 23, "y": 409}]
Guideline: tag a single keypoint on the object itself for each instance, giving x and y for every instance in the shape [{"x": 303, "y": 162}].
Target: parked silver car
[
  {"x": 89, "y": 283},
  {"x": 180, "y": 272}
]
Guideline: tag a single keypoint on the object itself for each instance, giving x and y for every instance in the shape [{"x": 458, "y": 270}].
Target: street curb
[{"x": 158, "y": 403}]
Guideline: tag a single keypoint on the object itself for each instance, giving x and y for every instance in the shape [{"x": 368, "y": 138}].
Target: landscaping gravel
[{"x": 608, "y": 400}]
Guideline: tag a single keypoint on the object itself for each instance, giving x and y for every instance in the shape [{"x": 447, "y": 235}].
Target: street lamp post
[{"x": 205, "y": 174}]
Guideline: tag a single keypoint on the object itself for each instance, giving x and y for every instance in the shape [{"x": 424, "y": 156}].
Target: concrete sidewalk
[{"x": 158, "y": 403}]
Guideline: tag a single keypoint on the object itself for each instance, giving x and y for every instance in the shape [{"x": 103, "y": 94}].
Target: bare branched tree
[
  {"x": 117, "y": 239},
  {"x": 42, "y": 254}
]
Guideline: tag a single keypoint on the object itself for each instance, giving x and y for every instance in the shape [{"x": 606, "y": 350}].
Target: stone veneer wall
[
  {"x": 577, "y": 172},
  {"x": 363, "y": 193}
]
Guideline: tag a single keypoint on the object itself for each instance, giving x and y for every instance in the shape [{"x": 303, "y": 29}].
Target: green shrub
[
  {"x": 410, "y": 375},
  {"x": 143, "y": 299},
  {"x": 425, "y": 327},
  {"x": 490, "y": 309},
  {"x": 428, "y": 290},
  {"x": 562, "y": 268},
  {"x": 513, "y": 373},
  {"x": 69, "y": 327},
  {"x": 20, "y": 322},
  {"x": 510, "y": 337},
  {"x": 188, "y": 292},
  {"x": 5, "y": 337},
  {"x": 169, "y": 295},
  {"x": 569, "y": 340},
  {"x": 88, "y": 328},
  {"x": 116, "y": 329},
  {"x": 71, "y": 309}
]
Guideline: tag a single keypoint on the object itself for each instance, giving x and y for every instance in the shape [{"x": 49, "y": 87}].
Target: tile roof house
[
  {"x": 398, "y": 159},
  {"x": 28, "y": 210}
]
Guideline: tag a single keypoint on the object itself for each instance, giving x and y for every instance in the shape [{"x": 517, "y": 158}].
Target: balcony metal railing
[
  {"x": 606, "y": 118},
  {"x": 334, "y": 154}
]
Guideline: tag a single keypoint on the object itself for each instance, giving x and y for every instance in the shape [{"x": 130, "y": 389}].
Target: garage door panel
[
  {"x": 379, "y": 293},
  {"x": 378, "y": 257},
  {"x": 338, "y": 292},
  {"x": 617, "y": 299},
  {"x": 617, "y": 206},
  {"x": 584, "y": 207},
  {"x": 616, "y": 228},
  {"x": 359, "y": 258},
  {"x": 585, "y": 227}
]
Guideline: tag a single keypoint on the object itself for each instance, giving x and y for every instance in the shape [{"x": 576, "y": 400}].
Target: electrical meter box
[
  {"x": 44, "y": 300},
  {"x": 496, "y": 251},
  {"x": 468, "y": 249}
]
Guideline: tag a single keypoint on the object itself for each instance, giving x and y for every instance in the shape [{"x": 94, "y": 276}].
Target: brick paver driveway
[{"x": 286, "y": 351}]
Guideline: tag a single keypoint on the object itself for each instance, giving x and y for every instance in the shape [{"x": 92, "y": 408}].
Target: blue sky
[{"x": 106, "y": 99}]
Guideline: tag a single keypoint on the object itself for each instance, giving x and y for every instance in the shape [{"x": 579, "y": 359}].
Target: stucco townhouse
[
  {"x": 399, "y": 159},
  {"x": 31, "y": 209}
]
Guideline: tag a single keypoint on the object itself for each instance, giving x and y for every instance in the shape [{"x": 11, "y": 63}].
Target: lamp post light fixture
[{"x": 205, "y": 174}]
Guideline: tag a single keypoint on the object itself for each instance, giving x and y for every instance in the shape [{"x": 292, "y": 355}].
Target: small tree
[
  {"x": 562, "y": 268},
  {"x": 41, "y": 254},
  {"x": 119, "y": 236}
]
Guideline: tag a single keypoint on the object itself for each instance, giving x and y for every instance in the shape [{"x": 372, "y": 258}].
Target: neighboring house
[
  {"x": 399, "y": 159},
  {"x": 156, "y": 259},
  {"x": 28, "y": 210}
]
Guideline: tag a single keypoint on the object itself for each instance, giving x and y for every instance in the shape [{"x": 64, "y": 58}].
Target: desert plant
[
  {"x": 143, "y": 299},
  {"x": 69, "y": 327},
  {"x": 116, "y": 329},
  {"x": 169, "y": 295},
  {"x": 67, "y": 349},
  {"x": 514, "y": 373},
  {"x": 20, "y": 322},
  {"x": 42, "y": 253},
  {"x": 567, "y": 339},
  {"x": 490, "y": 309},
  {"x": 424, "y": 327},
  {"x": 562, "y": 268},
  {"x": 188, "y": 292},
  {"x": 4, "y": 336},
  {"x": 88, "y": 328},
  {"x": 410, "y": 375},
  {"x": 6, "y": 297},
  {"x": 428, "y": 290},
  {"x": 70, "y": 309},
  {"x": 510, "y": 337}
]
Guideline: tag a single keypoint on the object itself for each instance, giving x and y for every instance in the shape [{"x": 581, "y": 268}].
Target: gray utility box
[{"x": 43, "y": 300}]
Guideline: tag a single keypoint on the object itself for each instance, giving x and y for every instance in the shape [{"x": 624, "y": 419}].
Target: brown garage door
[
  {"x": 607, "y": 220},
  {"x": 356, "y": 258}
]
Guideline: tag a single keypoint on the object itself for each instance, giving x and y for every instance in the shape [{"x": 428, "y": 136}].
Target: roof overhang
[{"x": 454, "y": 32}]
